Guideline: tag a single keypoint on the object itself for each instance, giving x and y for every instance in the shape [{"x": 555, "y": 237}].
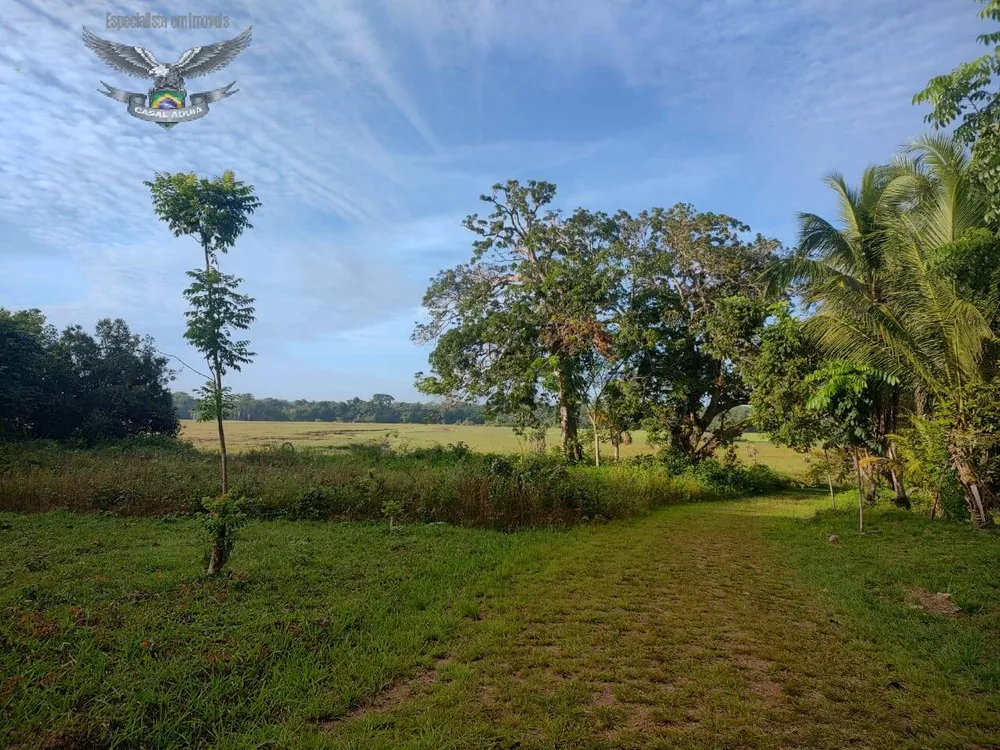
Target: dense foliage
[
  {"x": 77, "y": 386},
  {"x": 648, "y": 318}
]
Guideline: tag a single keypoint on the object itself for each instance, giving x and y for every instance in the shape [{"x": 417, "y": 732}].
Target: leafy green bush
[
  {"x": 737, "y": 480},
  {"x": 675, "y": 463},
  {"x": 222, "y": 517},
  {"x": 312, "y": 504}
]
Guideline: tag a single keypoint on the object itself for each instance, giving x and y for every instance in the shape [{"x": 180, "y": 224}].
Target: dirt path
[{"x": 682, "y": 630}]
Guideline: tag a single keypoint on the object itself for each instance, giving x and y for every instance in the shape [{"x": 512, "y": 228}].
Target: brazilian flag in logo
[{"x": 166, "y": 99}]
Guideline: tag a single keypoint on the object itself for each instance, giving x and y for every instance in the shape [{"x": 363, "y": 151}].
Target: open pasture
[{"x": 753, "y": 448}]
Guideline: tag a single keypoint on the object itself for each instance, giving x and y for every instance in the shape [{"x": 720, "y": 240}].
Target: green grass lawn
[{"x": 724, "y": 625}]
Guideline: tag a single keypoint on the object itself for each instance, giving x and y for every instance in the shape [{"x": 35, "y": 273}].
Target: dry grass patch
[{"x": 938, "y": 604}]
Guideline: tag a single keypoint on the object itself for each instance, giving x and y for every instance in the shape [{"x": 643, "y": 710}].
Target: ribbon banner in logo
[{"x": 137, "y": 106}]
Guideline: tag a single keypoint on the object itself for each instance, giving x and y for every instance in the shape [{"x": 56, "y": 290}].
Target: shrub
[
  {"x": 676, "y": 463},
  {"x": 222, "y": 517},
  {"x": 312, "y": 504},
  {"x": 737, "y": 480},
  {"x": 392, "y": 509}
]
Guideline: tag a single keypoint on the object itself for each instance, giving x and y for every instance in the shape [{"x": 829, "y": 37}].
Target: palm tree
[
  {"x": 935, "y": 184},
  {"x": 842, "y": 268},
  {"x": 919, "y": 327},
  {"x": 923, "y": 331}
]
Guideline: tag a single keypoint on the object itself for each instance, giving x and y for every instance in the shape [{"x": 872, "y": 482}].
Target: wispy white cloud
[{"x": 369, "y": 127}]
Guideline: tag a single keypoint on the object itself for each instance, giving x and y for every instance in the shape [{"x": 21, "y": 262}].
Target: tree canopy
[{"x": 74, "y": 385}]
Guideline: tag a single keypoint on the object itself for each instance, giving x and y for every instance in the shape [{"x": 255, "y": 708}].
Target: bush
[
  {"x": 313, "y": 504},
  {"x": 676, "y": 463},
  {"x": 737, "y": 480},
  {"x": 222, "y": 517}
]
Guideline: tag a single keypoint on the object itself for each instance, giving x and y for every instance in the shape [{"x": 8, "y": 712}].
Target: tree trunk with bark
[
  {"x": 900, "y": 498},
  {"x": 568, "y": 417},
  {"x": 216, "y": 559},
  {"x": 569, "y": 431},
  {"x": 978, "y": 497},
  {"x": 861, "y": 499}
]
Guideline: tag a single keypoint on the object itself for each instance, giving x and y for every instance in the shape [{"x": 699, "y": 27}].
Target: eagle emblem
[{"x": 167, "y": 95}]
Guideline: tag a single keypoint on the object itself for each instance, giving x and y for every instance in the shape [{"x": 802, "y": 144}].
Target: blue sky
[{"x": 370, "y": 128}]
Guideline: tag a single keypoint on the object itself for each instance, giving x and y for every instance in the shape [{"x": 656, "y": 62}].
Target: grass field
[
  {"x": 710, "y": 625},
  {"x": 485, "y": 438}
]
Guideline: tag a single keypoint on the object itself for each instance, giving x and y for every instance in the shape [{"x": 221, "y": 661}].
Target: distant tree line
[
  {"x": 77, "y": 386},
  {"x": 381, "y": 407}
]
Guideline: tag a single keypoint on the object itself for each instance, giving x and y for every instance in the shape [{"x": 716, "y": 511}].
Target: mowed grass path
[
  {"x": 754, "y": 448},
  {"x": 689, "y": 630},
  {"x": 716, "y": 625}
]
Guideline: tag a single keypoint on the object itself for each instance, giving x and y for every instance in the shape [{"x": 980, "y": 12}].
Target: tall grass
[{"x": 450, "y": 484}]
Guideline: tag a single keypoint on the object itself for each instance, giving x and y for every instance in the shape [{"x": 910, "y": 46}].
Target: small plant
[
  {"x": 391, "y": 509},
  {"x": 459, "y": 450},
  {"x": 536, "y": 440},
  {"x": 222, "y": 517},
  {"x": 829, "y": 466},
  {"x": 313, "y": 504}
]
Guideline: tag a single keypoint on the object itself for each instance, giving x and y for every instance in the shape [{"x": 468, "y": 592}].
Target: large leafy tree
[
  {"x": 514, "y": 324},
  {"x": 780, "y": 389},
  {"x": 26, "y": 372},
  {"x": 694, "y": 311},
  {"x": 120, "y": 385}
]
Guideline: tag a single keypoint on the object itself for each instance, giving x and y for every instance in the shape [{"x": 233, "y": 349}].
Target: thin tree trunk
[
  {"x": 617, "y": 452},
  {"x": 215, "y": 561},
  {"x": 868, "y": 484},
  {"x": 829, "y": 478},
  {"x": 224, "y": 462},
  {"x": 896, "y": 476},
  {"x": 592, "y": 413},
  {"x": 977, "y": 497},
  {"x": 224, "y": 467},
  {"x": 861, "y": 499}
]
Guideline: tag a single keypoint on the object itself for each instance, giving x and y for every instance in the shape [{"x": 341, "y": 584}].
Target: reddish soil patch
[
  {"x": 390, "y": 697},
  {"x": 938, "y": 604}
]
